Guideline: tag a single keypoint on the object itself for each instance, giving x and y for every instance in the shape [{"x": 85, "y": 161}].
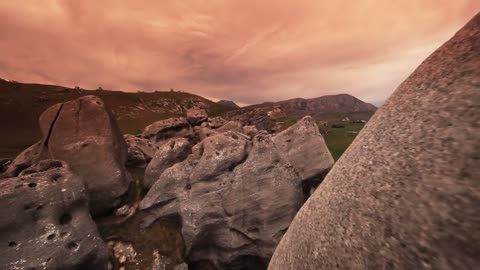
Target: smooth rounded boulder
[
  {"x": 46, "y": 223},
  {"x": 406, "y": 193},
  {"x": 83, "y": 133}
]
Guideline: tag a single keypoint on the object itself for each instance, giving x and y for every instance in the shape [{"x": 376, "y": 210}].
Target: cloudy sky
[{"x": 246, "y": 51}]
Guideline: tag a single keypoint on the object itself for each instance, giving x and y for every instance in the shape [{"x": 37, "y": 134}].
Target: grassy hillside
[{"x": 21, "y": 105}]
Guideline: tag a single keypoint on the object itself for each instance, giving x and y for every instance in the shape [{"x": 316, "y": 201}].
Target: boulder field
[{"x": 406, "y": 193}]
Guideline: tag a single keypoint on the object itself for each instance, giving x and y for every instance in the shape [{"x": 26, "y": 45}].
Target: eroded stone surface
[
  {"x": 235, "y": 197},
  {"x": 46, "y": 223},
  {"x": 405, "y": 195}
]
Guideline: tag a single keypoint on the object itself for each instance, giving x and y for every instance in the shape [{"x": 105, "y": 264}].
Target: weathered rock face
[
  {"x": 235, "y": 197},
  {"x": 231, "y": 126},
  {"x": 405, "y": 195},
  {"x": 304, "y": 147},
  {"x": 196, "y": 116},
  {"x": 25, "y": 159},
  {"x": 140, "y": 151},
  {"x": 46, "y": 222},
  {"x": 173, "y": 151},
  {"x": 257, "y": 117},
  {"x": 216, "y": 122},
  {"x": 84, "y": 134},
  {"x": 164, "y": 130}
]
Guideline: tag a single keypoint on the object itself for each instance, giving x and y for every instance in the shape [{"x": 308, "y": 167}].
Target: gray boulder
[
  {"x": 231, "y": 126},
  {"x": 25, "y": 159},
  {"x": 216, "y": 122},
  {"x": 85, "y": 135},
  {"x": 235, "y": 197},
  {"x": 164, "y": 130},
  {"x": 140, "y": 151},
  {"x": 204, "y": 132},
  {"x": 406, "y": 193},
  {"x": 46, "y": 223},
  {"x": 196, "y": 116},
  {"x": 304, "y": 147},
  {"x": 173, "y": 151}
]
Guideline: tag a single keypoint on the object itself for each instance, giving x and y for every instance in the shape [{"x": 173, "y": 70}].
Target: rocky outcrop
[
  {"x": 170, "y": 153},
  {"x": 252, "y": 116},
  {"x": 51, "y": 227},
  {"x": 235, "y": 195},
  {"x": 216, "y": 122},
  {"x": 140, "y": 151},
  {"x": 163, "y": 130},
  {"x": 25, "y": 159},
  {"x": 405, "y": 194},
  {"x": 304, "y": 147},
  {"x": 84, "y": 134},
  {"x": 231, "y": 126},
  {"x": 196, "y": 116}
]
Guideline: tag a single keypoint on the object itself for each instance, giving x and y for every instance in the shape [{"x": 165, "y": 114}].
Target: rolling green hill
[{"x": 21, "y": 104}]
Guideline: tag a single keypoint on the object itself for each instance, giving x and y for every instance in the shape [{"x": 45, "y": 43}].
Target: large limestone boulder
[
  {"x": 170, "y": 153},
  {"x": 196, "y": 116},
  {"x": 163, "y": 130},
  {"x": 235, "y": 197},
  {"x": 46, "y": 223},
  {"x": 140, "y": 151},
  {"x": 304, "y": 147},
  {"x": 406, "y": 193},
  {"x": 85, "y": 135}
]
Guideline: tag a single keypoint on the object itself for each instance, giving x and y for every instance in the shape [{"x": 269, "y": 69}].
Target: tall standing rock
[
  {"x": 84, "y": 134},
  {"x": 45, "y": 221},
  {"x": 406, "y": 193},
  {"x": 304, "y": 147}
]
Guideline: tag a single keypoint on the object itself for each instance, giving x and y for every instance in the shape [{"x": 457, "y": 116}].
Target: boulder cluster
[{"x": 234, "y": 188}]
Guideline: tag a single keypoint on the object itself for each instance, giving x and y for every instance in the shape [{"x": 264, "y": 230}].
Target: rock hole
[
  {"x": 188, "y": 186},
  {"x": 98, "y": 103},
  {"x": 49, "y": 259},
  {"x": 84, "y": 144},
  {"x": 32, "y": 185},
  {"x": 28, "y": 206},
  {"x": 72, "y": 245},
  {"x": 289, "y": 140},
  {"x": 12, "y": 244},
  {"x": 55, "y": 177},
  {"x": 51, "y": 236},
  {"x": 39, "y": 207},
  {"x": 65, "y": 219},
  {"x": 217, "y": 153}
]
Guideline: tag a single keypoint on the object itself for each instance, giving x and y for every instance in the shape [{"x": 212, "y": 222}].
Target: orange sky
[{"x": 246, "y": 51}]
